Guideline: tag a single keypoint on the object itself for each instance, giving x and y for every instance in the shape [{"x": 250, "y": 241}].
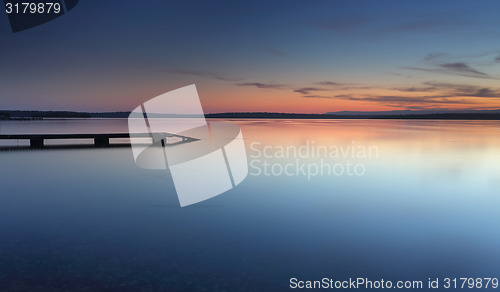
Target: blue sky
[{"x": 258, "y": 55}]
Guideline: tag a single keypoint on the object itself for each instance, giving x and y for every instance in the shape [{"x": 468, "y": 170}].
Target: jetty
[{"x": 100, "y": 139}]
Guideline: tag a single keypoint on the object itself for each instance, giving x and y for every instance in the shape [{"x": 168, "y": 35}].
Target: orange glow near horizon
[{"x": 270, "y": 100}]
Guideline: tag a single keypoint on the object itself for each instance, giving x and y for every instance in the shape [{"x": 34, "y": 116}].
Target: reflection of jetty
[{"x": 100, "y": 140}]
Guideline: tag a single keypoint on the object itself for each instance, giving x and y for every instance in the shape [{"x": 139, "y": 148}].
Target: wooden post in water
[
  {"x": 101, "y": 142},
  {"x": 36, "y": 143}
]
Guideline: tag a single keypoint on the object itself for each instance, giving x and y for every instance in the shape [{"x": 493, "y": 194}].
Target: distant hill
[
  {"x": 440, "y": 116},
  {"x": 43, "y": 114},
  {"x": 410, "y": 112},
  {"x": 115, "y": 115},
  {"x": 357, "y": 113},
  {"x": 397, "y": 114},
  {"x": 264, "y": 115},
  {"x": 482, "y": 115}
]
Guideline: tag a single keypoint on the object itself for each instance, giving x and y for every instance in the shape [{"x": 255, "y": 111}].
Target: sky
[{"x": 258, "y": 56}]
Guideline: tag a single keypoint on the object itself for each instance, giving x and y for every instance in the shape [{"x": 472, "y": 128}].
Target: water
[{"x": 90, "y": 220}]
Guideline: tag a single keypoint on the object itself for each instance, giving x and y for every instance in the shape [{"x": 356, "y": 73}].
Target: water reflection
[{"x": 89, "y": 219}]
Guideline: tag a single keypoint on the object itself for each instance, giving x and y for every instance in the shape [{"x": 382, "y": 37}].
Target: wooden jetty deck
[{"x": 100, "y": 139}]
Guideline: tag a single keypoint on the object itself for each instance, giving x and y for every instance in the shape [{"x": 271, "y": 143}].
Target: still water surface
[{"x": 90, "y": 220}]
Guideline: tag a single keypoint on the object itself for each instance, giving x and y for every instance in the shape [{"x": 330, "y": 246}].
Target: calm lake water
[{"x": 424, "y": 203}]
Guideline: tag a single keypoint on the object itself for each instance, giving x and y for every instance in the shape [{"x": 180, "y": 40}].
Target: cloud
[
  {"x": 416, "y": 89},
  {"x": 486, "y": 92},
  {"x": 399, "y": 100},
  {"x": 417, "y": 107},
  {"x": 458, "y": 68},
  {"x": 453, "y": 87},
  {"x": 461, "y": 68},
  {"x": 399, "y": 74},
  {"x": 261, "y": 85},
  {"x": 433, "y": 56},
  {"x": 465, "y": 90},
  {"x": 452, "y": 94},
  {"x": 480, "y": 92},
  {"x": 433, "y": 94},
  {"x": 497, "y": 59},
  {"x": 344, "y": 96},
  {"x": 202, "y": 73},
  {"x": 318, "y": 96},
  {"x": 438, "y": 99},
  {"x": 307, "y": 90},
  {"x": 277, "y": 53},
  {"x": 342, "y": 86},
  {"x": 329, "y": 83}
]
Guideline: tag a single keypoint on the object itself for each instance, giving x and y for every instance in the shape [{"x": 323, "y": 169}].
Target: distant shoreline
[
  {"x": 38, "y": 115},
  {"x": 437, "y": 116}
]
